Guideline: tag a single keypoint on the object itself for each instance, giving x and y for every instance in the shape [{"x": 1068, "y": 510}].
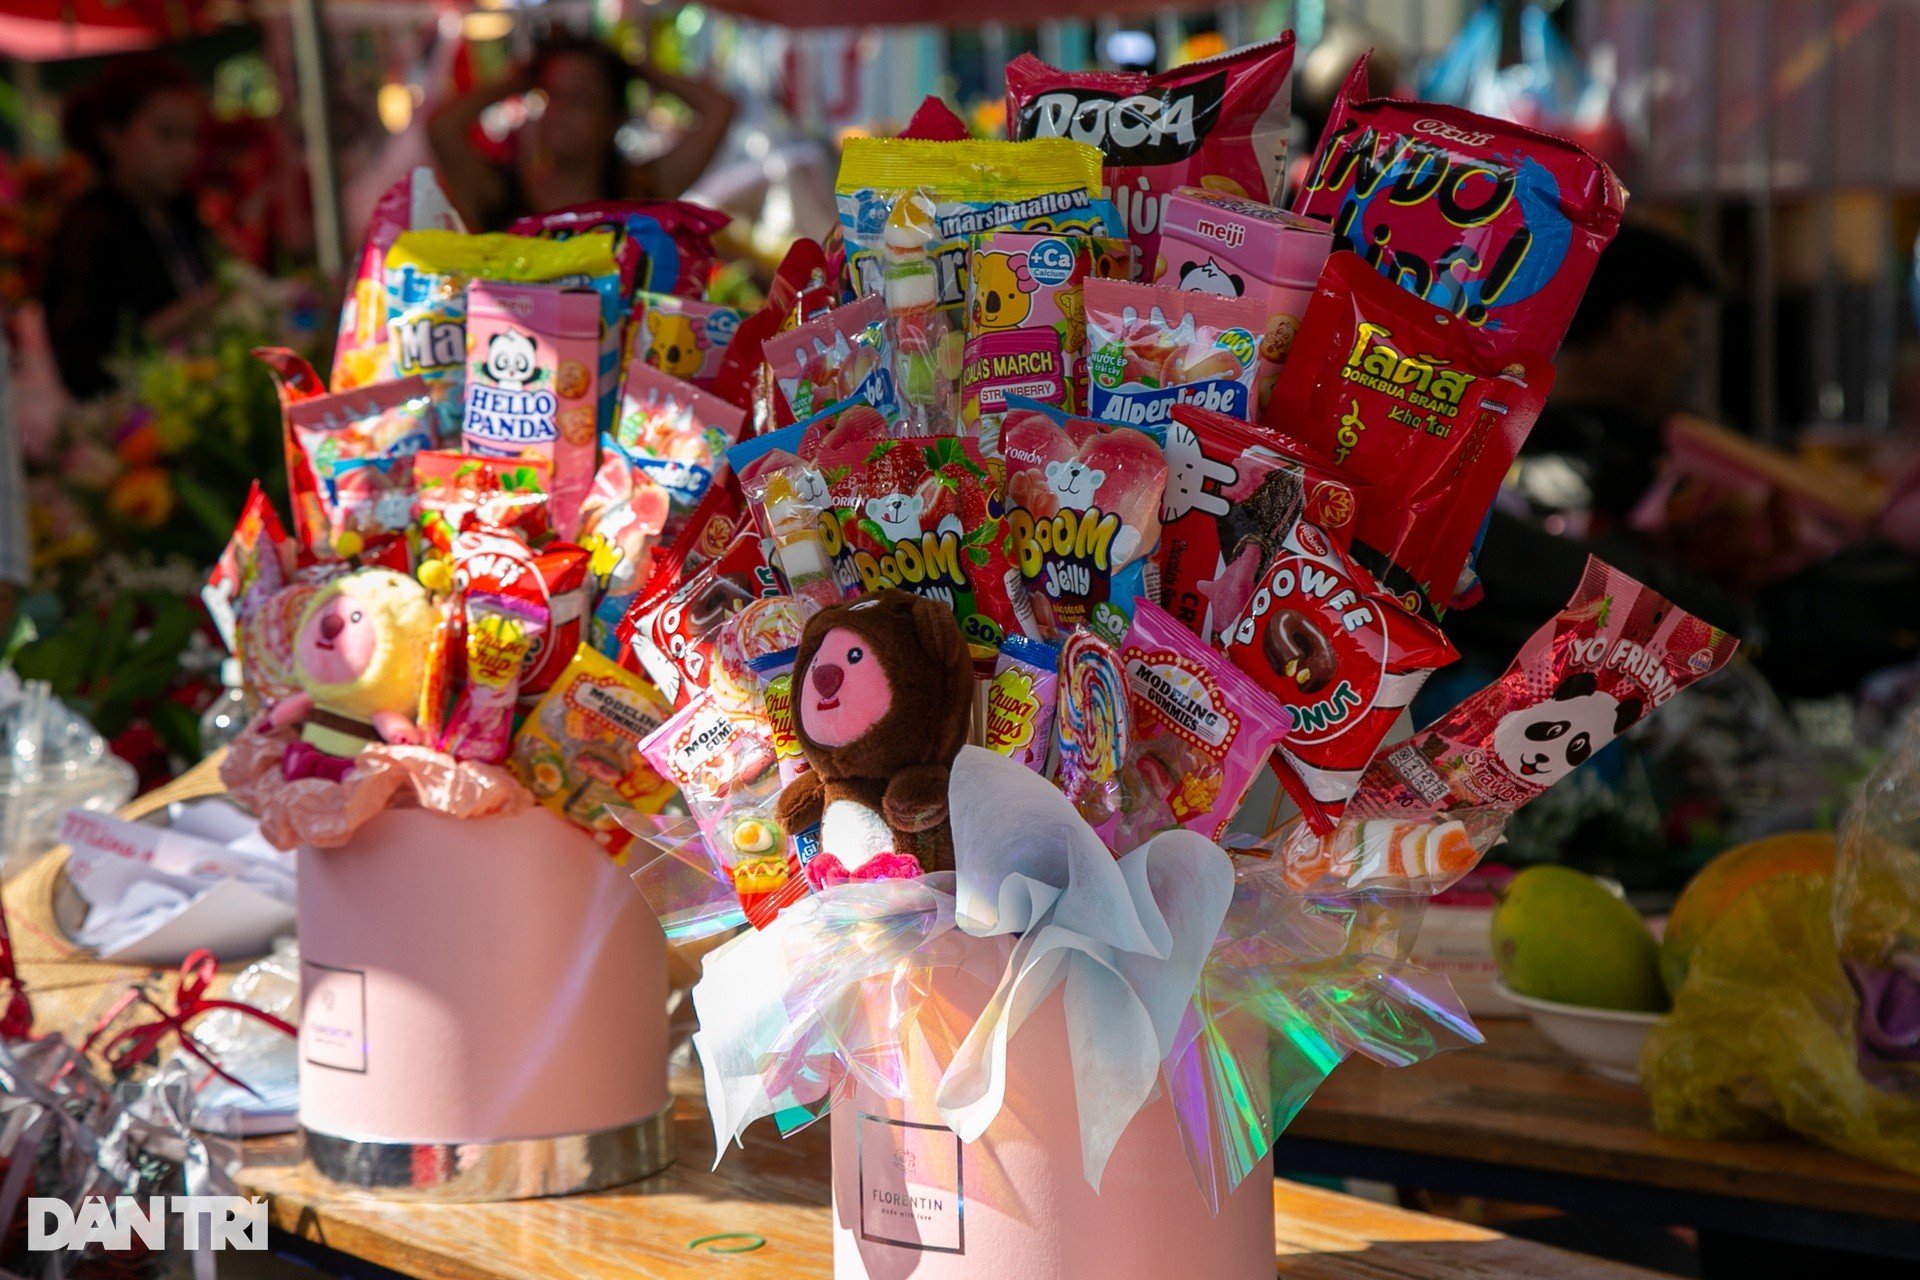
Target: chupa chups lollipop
[
  {"x": 927, "y": 516},
  {"x": 1151, "y": 349},
  {"x": 1219, "y": 123},
  {"x": 1020, "y": 701},
  {"x": 1084, "y": 507},
  {"x": 500, "y": 635},
  {"x": 556, "y": 578},
  {"x": 1340, "y": 655},
  {"x": 1094, "y": 725},
  {"x": 1233, "y": 492},
  {"x": 1495, "y": 223},
  {"x": 1201, "y": 731},
  {"x": 1410, "y": 401}
]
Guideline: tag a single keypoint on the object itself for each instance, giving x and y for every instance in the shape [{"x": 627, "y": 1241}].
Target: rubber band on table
[{"x": 755, "y": 1241}]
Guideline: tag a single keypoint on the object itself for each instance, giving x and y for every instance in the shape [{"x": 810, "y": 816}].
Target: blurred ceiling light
[
  {"x": 1130, "y": 49},
  {"x": 485, "y": 24},
  {"x": 395, "y": 106}
]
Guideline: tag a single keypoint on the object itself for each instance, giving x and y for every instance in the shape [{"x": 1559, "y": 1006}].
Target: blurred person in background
[
  {"x": 131, "y": 259},
  {"x": 569, "y": 152}
]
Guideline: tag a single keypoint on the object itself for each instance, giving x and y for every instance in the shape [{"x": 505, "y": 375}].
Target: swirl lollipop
[{"x": 1095, "y": 725}]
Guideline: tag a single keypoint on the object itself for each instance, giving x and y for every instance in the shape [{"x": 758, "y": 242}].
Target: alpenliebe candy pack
[
  {"x": 926, "y": 515},
  {"x": 675, "y": 431},
  {"x": 834, "y": 357},
  {"x": 1340, "y": 654},
  {"x": 1410, "y": 401},
  {"x": 1027, "y": 320},
  {"x": 579, "y": 749},
  {"x": 972, "y": 186},
  {"x": 1233, "y": 491},
  {"x": 1150, "y": 349},
  {"x": 358, "y": 447},
  {"x": 681, "y": 336},
  {"x": 1083, "y": 505},
  {"x": 1495, "y": 223},
  {"x": 1220, "y": 123},
  {"x": 1614, "y": 654},
  {"x": 1201, "y": 731}
]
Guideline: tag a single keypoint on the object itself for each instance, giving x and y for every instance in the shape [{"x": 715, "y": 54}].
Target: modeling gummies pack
[
  {"x": 1408, "y": 400},
  {"x": 1084, "y": 506},
  {"x": 1220, "y": 123},
  {"x": 1340, "y": 655},
  {"x": 1149, "y": 349},
  {"x": 1493, "y": 222}
]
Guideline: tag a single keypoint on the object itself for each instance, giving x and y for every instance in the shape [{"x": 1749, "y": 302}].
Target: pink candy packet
[
  {"x": 680, "y": 336},
  {"x": 1084, "y": 502},
  {"x": 1202, "y": 730},
  {"x": 833, "y": 358},
  {"x": 1020, "y": 701}
]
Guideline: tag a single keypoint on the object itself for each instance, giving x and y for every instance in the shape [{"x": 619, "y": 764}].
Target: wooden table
[
  {"x": 1516, "y": 1120},
  {"x": 779, "y": 1189}
]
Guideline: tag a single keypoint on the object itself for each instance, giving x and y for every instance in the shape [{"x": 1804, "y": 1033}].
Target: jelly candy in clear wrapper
[
  {"x": 1219, "y": 123},
  {"x": 1094, "y": 725},
  {"x": 1492, "y": 222},
  {"x": 1084, "y": 507},
  {"x": 359, "y": 448},
  {"x": 1411, "y": 402},
  {"x": 1340, "y": 654}
]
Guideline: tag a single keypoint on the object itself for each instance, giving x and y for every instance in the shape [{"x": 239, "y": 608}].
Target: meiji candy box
[
  {"x": 1215, "y": 243},
  {"x": 533, "y": 360}
]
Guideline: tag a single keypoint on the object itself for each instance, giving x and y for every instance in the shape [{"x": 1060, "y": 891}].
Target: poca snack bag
[
  {"x": 1616, "y": 653},
  {"x": 1083, "y": 504},
  {"x": 1233, "y": 492},
  {"x": 427, "y": 277},
  {"x": 1340, "y": 655},
  {"x": 974, "y": 186},
  {"x": 680, "y": 336},
  {"x": 1410, "y": 401},
  {"x": 1027, "y": 320},
  {"x": 1493, "y": 222},
  {"x": 1149, "y": 349},
  {"x": 1220, "y": 123},
  {"x": 1202, "y": 729},
  {"x": 533, "y": 384},
  {"x": 927, "y": 516}
]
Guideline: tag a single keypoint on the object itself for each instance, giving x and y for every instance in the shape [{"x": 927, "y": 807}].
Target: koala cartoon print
[
  {"x": 1543, "y": 743},
  {"x": 512, "y": 359},
  {"x": 1002, "y": 290},
  {"x": 1211, "y": 277},
  {"x": 674, "y": 345}
]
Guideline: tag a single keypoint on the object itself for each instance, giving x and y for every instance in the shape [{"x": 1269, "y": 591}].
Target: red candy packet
[
  {"x": 510, "y": 493},
  {"x": 673, "y": 633},
  {"x": 257, "y": 561},
  {"x": 926, "y": 515},
  {"x": 1233, "y": 492},
  {"x": 1493, "y": 222},
  {"x": 1220, "y": 123},
  {"x": 1341, "y": 655},
  {"x": 1201, "y": 731},
  {"x": 1406, "y": 399},
  {"x": 556, "y": 579},
  {"x": 662, "y": 245},
  {"x": 1615, "y": 653},
  {"x": 1084, "y": 505}
]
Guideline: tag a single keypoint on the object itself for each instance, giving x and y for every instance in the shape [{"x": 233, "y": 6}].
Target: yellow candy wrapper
[{"x": 578, "y": 751}]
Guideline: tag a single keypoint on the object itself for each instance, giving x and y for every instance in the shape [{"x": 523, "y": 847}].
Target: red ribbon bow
[{"x": 190, "y": 1000}]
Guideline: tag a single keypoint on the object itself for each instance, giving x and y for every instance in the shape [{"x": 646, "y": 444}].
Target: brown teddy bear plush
[{"x": 882, "y": 693}]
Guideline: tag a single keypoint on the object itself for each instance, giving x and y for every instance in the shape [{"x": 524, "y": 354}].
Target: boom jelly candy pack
[
  {"x": 1493, "y": 222},
  {"x": 1220, "y": 123}
]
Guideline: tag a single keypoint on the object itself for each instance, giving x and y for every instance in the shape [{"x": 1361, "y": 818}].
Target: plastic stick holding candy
[{"x": 917, "y": 326}]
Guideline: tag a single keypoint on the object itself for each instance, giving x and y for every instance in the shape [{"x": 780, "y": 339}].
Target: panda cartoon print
[{"x": 1543, "y": 743}]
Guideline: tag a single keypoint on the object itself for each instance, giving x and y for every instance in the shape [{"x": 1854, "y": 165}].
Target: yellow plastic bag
[{"x": 1769, "y": 1029}]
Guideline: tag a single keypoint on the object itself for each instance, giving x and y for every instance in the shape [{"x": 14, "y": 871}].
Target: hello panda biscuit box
[{"x": 533, "y": 354}]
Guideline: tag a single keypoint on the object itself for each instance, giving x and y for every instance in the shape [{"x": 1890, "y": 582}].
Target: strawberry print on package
[
  {"x": 1496, "y": 223},
  {"x": 1220, "y": 123}
]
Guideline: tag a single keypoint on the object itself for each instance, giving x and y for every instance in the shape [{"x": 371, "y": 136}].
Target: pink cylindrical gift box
[
  {"x": 911, "y": 1200},
  {"x": 483, "y": 1010}
]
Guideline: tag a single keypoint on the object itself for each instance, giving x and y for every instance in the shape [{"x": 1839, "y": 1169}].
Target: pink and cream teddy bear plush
[
  {"x": 882, "y": 695},
  {"x": 359, "y": 656}
]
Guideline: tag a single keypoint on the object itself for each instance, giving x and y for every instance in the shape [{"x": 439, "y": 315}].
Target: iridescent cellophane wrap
[{"x": 1236, "y": 995}]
